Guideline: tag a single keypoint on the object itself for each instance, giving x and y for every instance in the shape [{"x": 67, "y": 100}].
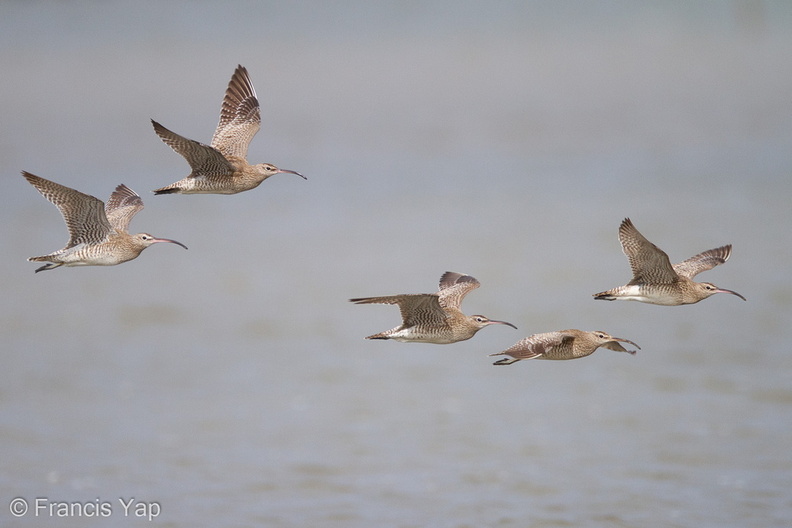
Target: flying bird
[
  {"x": 97, "y": 232},
  {"x": 656, "y": 281},
  {"x": 434, "y": 317},
  {"x": 222, "y": 166},
  {"x": 560, "y": 345}
]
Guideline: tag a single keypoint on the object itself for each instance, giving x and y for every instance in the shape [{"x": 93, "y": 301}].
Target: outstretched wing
[
  {"x": 650, "y": 264},
  {"x": 84, "y": 214},
  {"x": 453, "y": 288},
  {"x": 123, "y": 204},
  {"x": 240, "y": 116},
  {"x": 203, "y": 159},
  {"x": 703, "y": 261},
  {"x": 614, "y": 345},
  {"x": 420, "y": 308}
]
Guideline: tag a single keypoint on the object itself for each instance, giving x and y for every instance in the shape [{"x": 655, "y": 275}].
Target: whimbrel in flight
[
  {"x": 656, "y": 281},
  {"x": 98, "y": 232},
  {"x": 222, "y": 167},
  {"x": 563, "y": 344},
  {"x": 434, "y": 317}
]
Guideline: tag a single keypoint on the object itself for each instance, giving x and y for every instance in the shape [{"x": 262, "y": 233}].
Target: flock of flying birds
[{"x": 98, "y": 236}]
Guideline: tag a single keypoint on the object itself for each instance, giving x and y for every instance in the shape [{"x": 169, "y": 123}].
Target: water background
[{"x": 231, "y": 383}]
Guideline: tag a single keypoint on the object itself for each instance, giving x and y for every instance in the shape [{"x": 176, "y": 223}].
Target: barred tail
[
  {"x": 605, "y": 296},
  {"x": 167, "y": 190},
  {"x": 505, "y": 361}
]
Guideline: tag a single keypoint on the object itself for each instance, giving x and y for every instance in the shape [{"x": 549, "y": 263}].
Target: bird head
[
  {"x": 144, "y": 240},
  {"x": 608, "y": 341},
  {"x": 707, "y": 289},
  {"x": 268, "y": 169},
  {"x": 480, "y": 321}
]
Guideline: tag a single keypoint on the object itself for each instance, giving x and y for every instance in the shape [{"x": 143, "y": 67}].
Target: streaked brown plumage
[
  {"x": 656, "y": 281},
  {"x": 560, "y": 345},
  {"x": 434, "y": 317},
  {"x": 97, "y": 232},
  {"x": 222, "y": 167}
]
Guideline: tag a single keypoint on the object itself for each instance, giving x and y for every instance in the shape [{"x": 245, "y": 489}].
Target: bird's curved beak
[
  {"x": 292, "y": 172},
  {"x": 492, "y": 321},
  {"x": 722, "y": 290},
  {"x": 169, "y": 240}
]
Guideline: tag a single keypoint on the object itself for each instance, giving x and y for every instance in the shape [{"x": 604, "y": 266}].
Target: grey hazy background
[{"x": 231, "y": 383}]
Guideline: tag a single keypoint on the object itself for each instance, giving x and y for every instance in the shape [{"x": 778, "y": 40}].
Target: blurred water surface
[{"x": 231, "y": 383}]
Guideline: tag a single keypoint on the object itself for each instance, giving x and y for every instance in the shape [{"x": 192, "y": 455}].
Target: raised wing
[
  {"x": 650, "y": 264},
  {"x": 203, "y": 159},
  {"x": 240, "y": 116},
  {"x": 703, "y": 261},
  {"x": 84, "y": 214},
  {"x": 453, "y": 288},
  {"x": 123, "y": 204}
]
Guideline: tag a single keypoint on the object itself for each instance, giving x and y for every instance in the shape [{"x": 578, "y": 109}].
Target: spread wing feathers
[
  {"x": 537, "y": 345},
  {"x": 650, "y": 264},
  {"x": 123, "y": 204},
  {"x": 703, "y": 261},
  {"x": 420, "y": 308},
  {"x": 84, "y": 214},
  {"x": 453, "y": 288},
  {"x": 203, "y": 159},
  {"x": 614, "y": 345},
  {"x": 240, "y": 116}
]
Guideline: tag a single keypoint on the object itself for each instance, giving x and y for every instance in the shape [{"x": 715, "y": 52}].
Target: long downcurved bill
[
  {"x": 492, "y": 321},
  {"x": 721, "y": 290},
  {"x": 292, "y": 172},
  {"x": 169, "y": 240}
]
